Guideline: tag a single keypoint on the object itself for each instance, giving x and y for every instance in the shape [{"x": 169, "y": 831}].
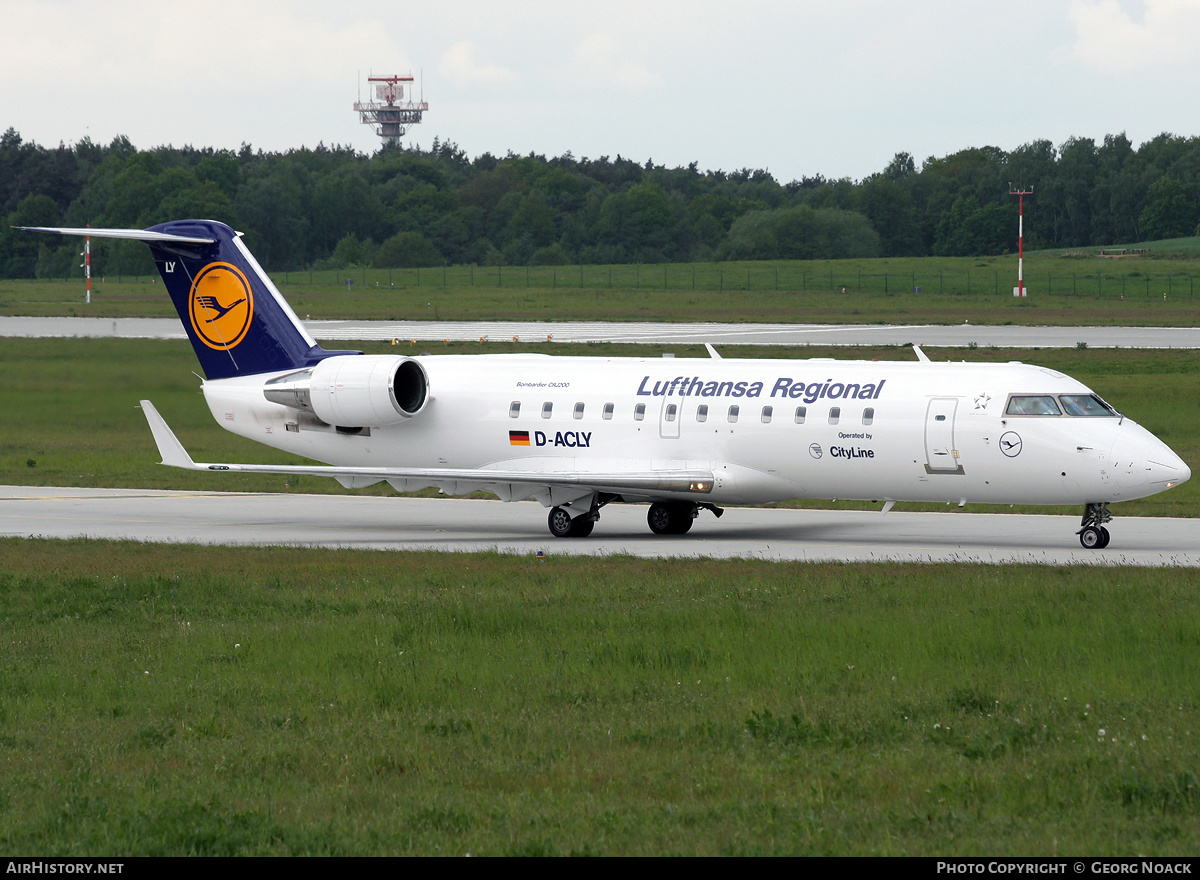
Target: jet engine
[{"x": 355, "y": 390}]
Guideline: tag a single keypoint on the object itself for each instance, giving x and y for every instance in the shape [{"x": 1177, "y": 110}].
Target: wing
[{"x": 548, "y": 487}]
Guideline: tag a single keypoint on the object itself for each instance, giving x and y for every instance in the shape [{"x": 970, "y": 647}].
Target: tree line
[{"x": 334, "y": 207}]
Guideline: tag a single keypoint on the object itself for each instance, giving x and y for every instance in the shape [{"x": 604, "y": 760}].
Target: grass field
[
  {"x": 1066, "y": 289},
  {"x": 177, "y": 700},
  {"x": 72, "y": 417},
  {"x": 170, "y": 700}
]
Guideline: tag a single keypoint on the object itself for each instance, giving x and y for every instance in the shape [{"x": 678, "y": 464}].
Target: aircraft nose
[
  {"x": 1165, "y": 468},
  {"x": 1141, "y": 459}
]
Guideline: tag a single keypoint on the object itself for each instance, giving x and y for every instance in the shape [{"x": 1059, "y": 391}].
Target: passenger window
[
  {"x": 868, "y": 415},
  {"x": 578, "y": 413},
  {"x": 702, "y": 412},
  {"x": 1032, "y": 405},
  {"x": 801, "y": 413},
  {"x": 835, "y": 415},
  {"x": 547, "y": 409},
  {"x": 733, "y": 413},
  {"x": 639, "y": 412},
  {"x": 766, "y": 415},
  {"x": 670, "y": 413},
  {"x": 608, "y": 411},
  {"x": 514, "y": 409}
]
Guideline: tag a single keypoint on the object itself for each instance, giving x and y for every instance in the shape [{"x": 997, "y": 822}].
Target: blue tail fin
[{"x": 237, "y": 320}]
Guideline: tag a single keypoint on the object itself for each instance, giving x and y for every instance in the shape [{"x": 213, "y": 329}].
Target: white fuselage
[{"x": 767, "y": 429}]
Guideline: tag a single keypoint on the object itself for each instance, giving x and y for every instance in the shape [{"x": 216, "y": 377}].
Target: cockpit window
[
  {"x": 1085, "y": 405},
  {"x": 1032, "y": 405}
]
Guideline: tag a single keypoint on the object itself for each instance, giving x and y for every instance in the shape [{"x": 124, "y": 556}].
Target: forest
[{"x": 334, "y": 207}]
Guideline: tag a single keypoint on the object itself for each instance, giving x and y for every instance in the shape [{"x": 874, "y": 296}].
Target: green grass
[
  {"x": 71, "y": 415},
  {"x": 1067, "y": 290},
  {"x": 1163, "y": 248},
  {"x": 171, "y": 700}
]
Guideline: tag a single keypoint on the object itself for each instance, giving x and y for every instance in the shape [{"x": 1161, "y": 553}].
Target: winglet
[
  {"x": 169, "y": 447},
  {"x": 921, "y": 356},
  {"x": 712, "y": 352}
]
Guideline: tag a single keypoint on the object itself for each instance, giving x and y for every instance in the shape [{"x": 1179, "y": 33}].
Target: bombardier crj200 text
[{"x": 577, "y": 433}]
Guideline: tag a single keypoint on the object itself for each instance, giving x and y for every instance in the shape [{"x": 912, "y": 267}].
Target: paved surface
[
  {"x": 718, "y": 334},
  {"x": 376, "y": 523}
]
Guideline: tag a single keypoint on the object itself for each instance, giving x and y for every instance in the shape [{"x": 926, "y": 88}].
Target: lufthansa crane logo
[
  {"x": 220, "y": 306},
  {"x": 1010, "y": 443}
]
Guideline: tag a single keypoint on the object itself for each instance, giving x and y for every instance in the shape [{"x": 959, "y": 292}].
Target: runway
[
  {"x": 378, "y": 523},
  {"x": 933, "y": 336}
]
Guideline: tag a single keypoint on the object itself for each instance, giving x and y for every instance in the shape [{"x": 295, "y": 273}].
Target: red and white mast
[
  {"x": 87, "y": 265},
  {"x": 1020, "y": 193}
]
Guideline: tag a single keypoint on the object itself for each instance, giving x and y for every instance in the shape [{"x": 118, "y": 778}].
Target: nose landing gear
[{"x": 1092, "y": 534}]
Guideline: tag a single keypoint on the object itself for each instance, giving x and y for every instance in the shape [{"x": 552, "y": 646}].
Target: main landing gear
[
  {"x": 1092, "y": 534},
  {"x": 563, "y": 526},
  {"x": 664, "y": 518},
  {"x": 672, "y": 517},
  {"x": 676, "y": 517}
]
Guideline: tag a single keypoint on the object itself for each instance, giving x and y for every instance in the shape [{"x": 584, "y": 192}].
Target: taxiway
[
  {"x": 930, "y": 335},
  {"x": 380, "y": 523}
]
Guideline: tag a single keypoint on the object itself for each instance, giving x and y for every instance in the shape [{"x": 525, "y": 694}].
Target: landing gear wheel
[
  {"x": 671, "y": 517},
  {"x": 559, "y": 522},
  {"x": 562, "y": 525},
  {"x": 1093, "y": 535}
]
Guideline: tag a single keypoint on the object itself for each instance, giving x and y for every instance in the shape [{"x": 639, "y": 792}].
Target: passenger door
[{"x": 941, "y": 453}]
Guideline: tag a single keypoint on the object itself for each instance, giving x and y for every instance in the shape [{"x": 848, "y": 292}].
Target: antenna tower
[{"x": 390, "y": 115}]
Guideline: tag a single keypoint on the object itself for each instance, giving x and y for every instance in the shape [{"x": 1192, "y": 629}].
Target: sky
[{"x": 797, "y": 88}]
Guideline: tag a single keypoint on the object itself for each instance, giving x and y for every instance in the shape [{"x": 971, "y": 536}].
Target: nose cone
[
  {"x": 1144, "y": 465},
  {"x": 1166, "y": 469}
]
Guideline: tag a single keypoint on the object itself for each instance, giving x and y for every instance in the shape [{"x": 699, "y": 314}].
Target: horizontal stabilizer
[
  {"x": 130, "y": 234},
  {"x": 235, "y": 317}
]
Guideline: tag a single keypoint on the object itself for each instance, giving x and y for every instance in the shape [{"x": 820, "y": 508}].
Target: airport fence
[
  {"x": 783, "y": 278},
  {"x": 735, "y": 277}
]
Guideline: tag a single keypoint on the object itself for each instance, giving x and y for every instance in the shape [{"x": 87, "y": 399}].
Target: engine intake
[{"x": 355, "y": 390}]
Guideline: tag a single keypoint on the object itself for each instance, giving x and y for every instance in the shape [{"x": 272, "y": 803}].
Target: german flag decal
[{"x": 518, "y": 438}]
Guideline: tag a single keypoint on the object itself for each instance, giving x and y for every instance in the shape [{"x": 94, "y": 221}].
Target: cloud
[
  {"x": 132, "y": 42},
  {"x": 599, "y": 59},
  {"x": 1108, "y": 38},
  {"x": 459, "y": 65}
]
